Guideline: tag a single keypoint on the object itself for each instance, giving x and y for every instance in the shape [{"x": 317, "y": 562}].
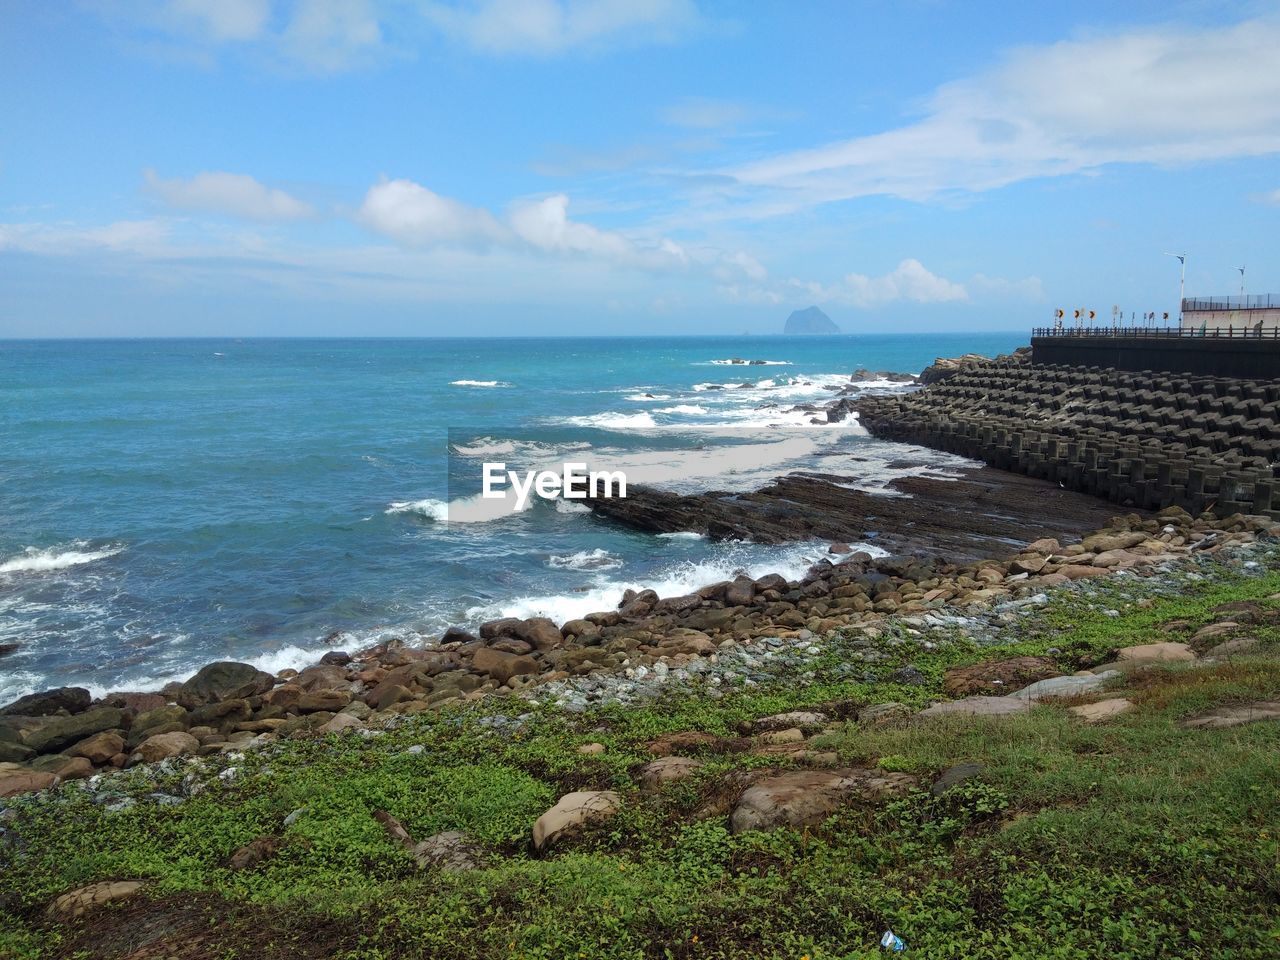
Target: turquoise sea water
[{"x": 164, "y": 503}]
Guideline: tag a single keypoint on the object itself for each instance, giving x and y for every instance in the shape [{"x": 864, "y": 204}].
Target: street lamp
[
  {"x": 1182, "y": 282},
  {"x": 1242, "y": 303}
]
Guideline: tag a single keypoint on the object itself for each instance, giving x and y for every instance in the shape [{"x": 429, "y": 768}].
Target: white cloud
[
  {"x": 545, "y": 224},
  {"x": 544, "y": 27},
  {"x": 701, "y": 113},
  {"x": 410, "y": 213},
  {"x": 1160, "y": 96},
  {"x": 1028, "y": 288},
  {"x": 123, "y": 236},
  {"x": 1272, "y": 198},
  {"x": 332, "y": 35},
  {"x": 909, "y": 281},
  {"x": 231, "y": 194},
  {"x": 222, "y": 20}
]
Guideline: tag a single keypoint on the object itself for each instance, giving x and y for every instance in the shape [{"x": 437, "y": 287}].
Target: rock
[
  {"x": 740, "y": 592},
  {"x": 388, "y": 695},
  {"x": 579, "y": 628},
  {"x": 1232, "y": 648},
  {"x": 1078, "y": 571},
  {"x": 884, "y": 714},
  {"x": 908, "y": 676},
  {"x": 340, "y": 722},
  {"x": 254, "y": 852},
  {"x": 1046, "y": 545},
  {"x": 64, "y": 767},
  {"x": 792, "y": 735},
  {"x": 803, "y": 798},
  {"x": 538, "y": 632},
  {"x": 664, "y": 770},
  {"x": 224, "y": 680},
  {"x": 1104, "y": 542},
  {"x": 58, "y": 732},
  {"x": 1027, "y": 563},
  {"x": 591, "y": 749},
  {"x": 450, "y": 850},
  {"x": 1064, "y": 686},
  {"x": 1234, "y": 715},
  {"x": 1213, "y": 630},
  {"x": 807, "y": 720},
  {"x": 335, "y": 658},
  {"x": 161, "y": 746},
  {"x": 14, "y": 752},
  {"x": 953, "y": 776},
  {"x": 48, "y": 702},
  {"x": 691, "y": 741},
  {"x": 169, "y": 716},
  {"x": 1167, "y": 652},
  {"x": 502, "y": 666},
  {"x": 977, "y": 707},
  {"x": 572, "y": 813},
  {"x": 997, "y": 676},
  {"x": 1102, "y": 709},
  {"x": 71, "y": 905},
  {"x": 331, "y": 700},
  {"x": 13, "y": 784},
  {"x": 809, "y": 321}
]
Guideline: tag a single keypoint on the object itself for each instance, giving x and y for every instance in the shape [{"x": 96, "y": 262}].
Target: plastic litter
[{"x": 892, "y": 942}]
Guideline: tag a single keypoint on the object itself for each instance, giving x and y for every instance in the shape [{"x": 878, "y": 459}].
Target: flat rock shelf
[{"x": 978, "y": 515}]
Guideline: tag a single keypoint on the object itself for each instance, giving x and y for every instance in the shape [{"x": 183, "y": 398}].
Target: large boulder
[
  {"x": 48, "y": 702},
  {"x": 99, "y": 748},
  {"x": 1235, "y": 714},
  {"x": 572, "y": 813},
  {"x": 803, "y": 798},
  {"x": 13, "y": 784},
  {"x": 1064, "y": 686},
  {"x": 502, "y": 666},
  {"x": 164, "y": 745},
  {"x": 1167, "y": 652},
  {"x": 224, "y": 680},
  {"x": 997, "y": 676},
  {"x": 977, "y": 707},
  {"x": 58, "y": 732},
  {"x": 77, "y": 902},
  {"x": 656, "y": 773}
]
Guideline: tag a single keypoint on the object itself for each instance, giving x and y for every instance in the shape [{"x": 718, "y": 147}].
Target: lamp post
[
  {"x": 1182, "y": 281},
  {"x": 1242, "y": 303}
]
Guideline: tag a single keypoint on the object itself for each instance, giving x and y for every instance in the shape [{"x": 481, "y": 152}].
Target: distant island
[{"x": 811, "y": 320}]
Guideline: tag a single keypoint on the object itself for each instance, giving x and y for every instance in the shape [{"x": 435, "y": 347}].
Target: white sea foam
[
  {"x": 598, "y": 559},
  {"x": 684, "y": 535},
  {"x": 571, "y": 506},
  {"x": 689, "y": 408},
  {"x": 478, "y": 383},
  {"x": 679, "y": 579},
  {"x": 473, "y": 509},
  {"x": 646, "y": 397},
  {"x": 436, "y": 510},
  {"x": 612, "y": 421},
  {"x": 739, "y": 362},
  {"x": 34, "y": 560}
]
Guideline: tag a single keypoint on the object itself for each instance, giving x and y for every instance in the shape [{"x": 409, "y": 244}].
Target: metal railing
[
  {"x": 1161, "y": 333},
  {"x": 1260, "y": 302}
]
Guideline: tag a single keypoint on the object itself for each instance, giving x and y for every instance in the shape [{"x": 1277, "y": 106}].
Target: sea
[{"x": 166, "y": 503}]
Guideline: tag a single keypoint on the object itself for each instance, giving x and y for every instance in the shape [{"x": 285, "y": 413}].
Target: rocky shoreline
[
  {"x": 958, "y": 547},
  {"x": 59, "y": 735}
]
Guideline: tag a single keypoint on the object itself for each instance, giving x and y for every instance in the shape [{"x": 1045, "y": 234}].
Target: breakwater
[{"x": 1141, "y": 439}]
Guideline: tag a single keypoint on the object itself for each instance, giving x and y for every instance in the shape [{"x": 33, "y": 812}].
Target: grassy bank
[{"x": 1138, "y": 837}]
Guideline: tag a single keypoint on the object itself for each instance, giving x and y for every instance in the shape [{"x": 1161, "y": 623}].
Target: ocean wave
[
  {"x": 571, "y": 506},
  {"x": 34, "y": 560},
  {"x": 436, "y": 510},
  {"x": 612, "y": 421},
  {"x": 684, "y": 535},
  {"x": 646, "y": 397},
  {"x": 677, "y": 580},
  {"x": 598, "y": 559},
  {"x": 474, "y": 509},
  {"x": 478, "y": 383},
  {"x": 682, "y": 408},
  {"x": 739, "y": 362}
]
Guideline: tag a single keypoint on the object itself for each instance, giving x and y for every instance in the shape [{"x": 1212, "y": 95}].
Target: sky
[{"x": 601, "y": 167}]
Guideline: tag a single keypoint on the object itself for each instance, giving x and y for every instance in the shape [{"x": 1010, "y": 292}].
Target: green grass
[{"x": 1135, "y": 838}]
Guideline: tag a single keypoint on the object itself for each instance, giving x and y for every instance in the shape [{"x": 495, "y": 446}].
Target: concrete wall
[
  {"x": 1247, "y": 358},
  {"x": 1235, "y": 319}
]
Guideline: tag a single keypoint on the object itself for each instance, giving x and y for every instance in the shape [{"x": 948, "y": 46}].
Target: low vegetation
[{"x": 1134, "y": 838}]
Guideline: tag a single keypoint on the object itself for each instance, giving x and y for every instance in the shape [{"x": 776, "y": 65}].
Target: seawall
[{"x": 1142, "y": 439}]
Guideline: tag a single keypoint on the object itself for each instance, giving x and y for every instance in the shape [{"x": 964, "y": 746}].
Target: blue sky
[{"x": 409, "y": 167}]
